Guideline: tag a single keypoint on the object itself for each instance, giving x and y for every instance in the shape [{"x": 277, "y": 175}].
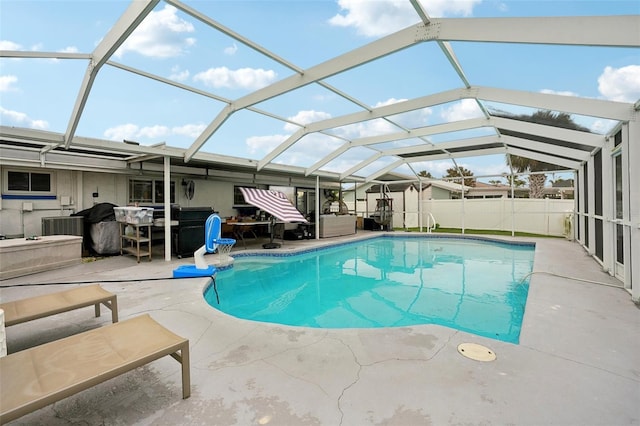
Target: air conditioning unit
[{"x": 63, "y": 225}]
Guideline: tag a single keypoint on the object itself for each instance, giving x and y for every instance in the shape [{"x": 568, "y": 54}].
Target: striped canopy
[{"x": 273, "y": 202}]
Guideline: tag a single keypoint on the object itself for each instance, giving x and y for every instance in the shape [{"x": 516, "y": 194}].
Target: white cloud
[
  {"x": 440, "y": 8},
  {"x": 245, "y": 78},
  {"x": 410, "y": 119},
  {"x": 231, "y": 50},
  {"x": 602, "y": 126},
  {"x": 160, "y": 35},
  {"x": 299, "y": 153},
  {"x": 7, "y": 82},
  {"x": 378, "y": 18},
  {"x": 463, "y": 110},
  {"x": 309, "y": 149},
  {"x": 379, "y": 126},
  {"x": 263, "y": 144},
  {"x": 364, "y": 129},
  {"x": 23, "y": 119},
  {"x": 9, "y": 45},
  {"x": 305, "y": 117},
  {"x": 190, "y": 130},
  {"x": 123, "y": 131},
  {"x": 179, "y": 75},
  {"x": 375, "y": 18},
  {"x": 620, "y": 84},
  {"x": 413, "y": 119},
  {"x": 70, "y": 49},
  {"x": 556, "y": 92},
  {"x": 155, "y": 133}
]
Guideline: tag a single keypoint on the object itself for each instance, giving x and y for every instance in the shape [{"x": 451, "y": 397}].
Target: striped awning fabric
[{"x": 273, "y": 202}]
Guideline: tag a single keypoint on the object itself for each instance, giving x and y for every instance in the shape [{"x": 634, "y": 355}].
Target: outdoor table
[{"x": 240, "y": 228}]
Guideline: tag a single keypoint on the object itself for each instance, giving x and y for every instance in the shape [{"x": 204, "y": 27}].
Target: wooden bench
[
  {"x": 39, "y": 376},
  {"x": 32, "y": 308}
]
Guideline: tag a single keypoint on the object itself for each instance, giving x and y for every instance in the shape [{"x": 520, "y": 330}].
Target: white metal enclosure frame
[{"x": 572, "y": 150}]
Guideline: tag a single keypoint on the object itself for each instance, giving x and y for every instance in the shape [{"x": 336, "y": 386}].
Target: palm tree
[
  {"x": 527, "y": 165},
  {"x": 517, "y": 182},
  {"x": 454, "y": 172},
  {"x": 536, "y": 181}
]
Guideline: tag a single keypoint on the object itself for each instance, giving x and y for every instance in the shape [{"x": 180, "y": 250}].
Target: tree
[
  {"x": 536, "y": 181},
  {"x": 562, "y": 183},
  {"x": 454, "y": 172},
  {"x": 524, "y": 164},
  {"x": 425, "y": 174},
  {"x": 517, "y": 182},
  {"x": 495, "y": 182}
]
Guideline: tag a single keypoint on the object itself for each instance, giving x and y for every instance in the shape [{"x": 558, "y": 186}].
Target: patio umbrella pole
[{"x": 271, "y": 244}]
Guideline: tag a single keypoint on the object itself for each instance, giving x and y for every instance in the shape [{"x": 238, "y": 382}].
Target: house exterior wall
[
  {"x": 81, "y": 186},
  {"x": 489, "y": 193},
  {"x": 23, "y": 216},
  {"x": 111, "y": 188},
  {"x": 439, "y": 193}
]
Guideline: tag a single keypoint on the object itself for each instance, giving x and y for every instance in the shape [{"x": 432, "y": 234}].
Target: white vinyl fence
[{"x": 537, "y": 216}]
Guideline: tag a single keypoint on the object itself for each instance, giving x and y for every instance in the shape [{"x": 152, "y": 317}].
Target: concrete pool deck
[{"x": 578, "y": 361}]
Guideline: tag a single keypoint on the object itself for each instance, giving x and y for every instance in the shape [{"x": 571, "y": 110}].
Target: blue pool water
[{"x": 466, "y": 284}]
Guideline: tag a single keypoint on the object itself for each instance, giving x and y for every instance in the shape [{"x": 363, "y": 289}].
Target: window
[
  {"x": 20, "y": 181},
  {"x": 149, "y": 191},
  {"x": 306, "y": 200},
  {"x": 238, "y": 198}
]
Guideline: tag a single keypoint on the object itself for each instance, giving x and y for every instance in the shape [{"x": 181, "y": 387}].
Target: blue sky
[{"x": 40, "y": 93}]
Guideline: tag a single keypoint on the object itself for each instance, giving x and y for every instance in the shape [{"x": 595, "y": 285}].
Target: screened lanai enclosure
[{"x": 321, "y": 94}]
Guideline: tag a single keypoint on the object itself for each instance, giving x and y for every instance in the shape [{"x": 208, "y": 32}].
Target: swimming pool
[{"x": 468, "y": 284}]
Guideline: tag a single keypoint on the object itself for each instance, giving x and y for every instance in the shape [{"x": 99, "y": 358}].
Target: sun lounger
[
  {"x": 39, "y": 376},
  {"x": 24, "y": 310}
]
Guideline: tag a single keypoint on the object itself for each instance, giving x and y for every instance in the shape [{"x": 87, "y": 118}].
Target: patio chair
[
  {"x": 32, "y": 308},
  {"x": 34, "y": 378}
]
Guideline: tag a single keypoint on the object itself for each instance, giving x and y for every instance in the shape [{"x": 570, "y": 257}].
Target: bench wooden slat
[
  {"x": 32, "y": 308},
  {"x": 39, "y": 376}
]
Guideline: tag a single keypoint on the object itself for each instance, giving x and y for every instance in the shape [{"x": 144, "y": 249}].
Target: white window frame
[
  {"x": 52, "y": 182},
  {"x": 154, "y": 183}
]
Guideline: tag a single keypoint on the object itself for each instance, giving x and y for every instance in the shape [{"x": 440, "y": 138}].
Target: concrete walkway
[{"x": 578, "y": 361}]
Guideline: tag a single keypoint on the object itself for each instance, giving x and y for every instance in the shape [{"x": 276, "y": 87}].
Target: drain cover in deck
[{"x": 476, "y": 352}]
